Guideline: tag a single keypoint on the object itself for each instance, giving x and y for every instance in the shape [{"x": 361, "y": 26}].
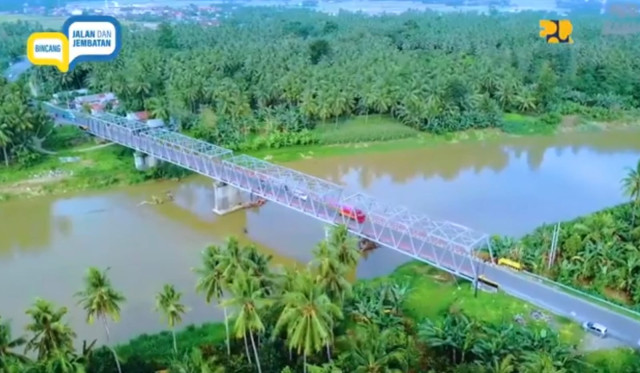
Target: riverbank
[
  {"x": 585, "y": 245},
  {"x": 85, "y": 165},
  {"x": 431, "y": 294},
  {"x": 122, "y": 236}
]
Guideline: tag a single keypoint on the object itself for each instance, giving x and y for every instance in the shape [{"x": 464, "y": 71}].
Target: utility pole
[
  {"x": 475, "y": 287},
  {"x": 475, "y": 280},
  {"x": 553, "y": 252}
]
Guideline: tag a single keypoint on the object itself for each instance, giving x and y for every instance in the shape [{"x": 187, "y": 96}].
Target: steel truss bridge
[{"x": 445, "y": 245}]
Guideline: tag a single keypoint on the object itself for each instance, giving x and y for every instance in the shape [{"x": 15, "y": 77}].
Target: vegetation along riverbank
[
  {"x": 293, "y": 84},
  {"x": 597, "y": 253},
  {"x": 349, "y": 85},
  {"x": 415, "y": 320}
]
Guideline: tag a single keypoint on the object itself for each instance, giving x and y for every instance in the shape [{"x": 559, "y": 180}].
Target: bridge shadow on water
[
  {"x": 287, "y": 235},
  {"x": 193, "y": 205}
]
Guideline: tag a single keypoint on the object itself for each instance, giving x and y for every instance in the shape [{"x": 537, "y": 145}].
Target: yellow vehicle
[
  {"x": 488, "y": 282},
  {"x": 510, "y": 263}
]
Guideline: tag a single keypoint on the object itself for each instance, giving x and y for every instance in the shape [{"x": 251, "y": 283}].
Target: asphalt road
[{"x": 621, "y": 327}]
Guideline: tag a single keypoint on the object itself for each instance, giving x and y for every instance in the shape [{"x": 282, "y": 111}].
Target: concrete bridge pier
[
  {"x": 228, "y": 199},
  {"x": 139, "y": 161},
  {"x": 366, "y": 245},
  {"x": 144, "y": 162},
  {"x": 151, "y": 161}
]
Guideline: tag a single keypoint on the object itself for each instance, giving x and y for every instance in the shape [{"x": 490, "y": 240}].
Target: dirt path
[{"x": 95, "y": 147}]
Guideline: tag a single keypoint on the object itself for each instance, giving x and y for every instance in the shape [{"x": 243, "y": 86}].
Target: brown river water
[{"x": 507, "y": 186}]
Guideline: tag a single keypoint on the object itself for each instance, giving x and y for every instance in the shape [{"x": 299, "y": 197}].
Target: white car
[
  {"x": 596, "y": 328},
  {"x": 299, "y": 194},
  {"x": 296, "y": 193}
]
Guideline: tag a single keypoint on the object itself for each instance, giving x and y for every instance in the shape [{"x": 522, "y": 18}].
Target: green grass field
[
  {"x": 433, "y": 293},
  {"x": 374, "y": 134},
  {"x": 612, "y": 361},
  {"x": 46, "y": 21},
  {"x": 517, "y": 124},
  {"x": 363, "y": 129},
  {"x": 95, "y": 169}
]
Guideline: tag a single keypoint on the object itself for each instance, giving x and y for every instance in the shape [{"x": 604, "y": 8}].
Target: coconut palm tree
[
  {"x": 63, "y": 361},
  {"x": 10, "y": 365},
  {"x": 101, "y": 301},
  {"x": 249, "y": 299},
  {"x": 8, "y": 344},
  {"x": 211, "y": 282},
  {"x": 331, "y": 273},
  {"x": 373, "y": 351},
  {"x": 258, "y": 264},
  {"x": 308, "y": 317},
  {"x": 168, "y": 302},
  {"x": 5, "y": 140},
  {"x": 345, "y": 246},
  {"x": 50, "y": 332},
  {"x": 631, "y": 188},
  {"x": 233, "y": 259}
]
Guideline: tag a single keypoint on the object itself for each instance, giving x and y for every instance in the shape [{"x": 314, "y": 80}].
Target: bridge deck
[{"x": 443, "y": 244}]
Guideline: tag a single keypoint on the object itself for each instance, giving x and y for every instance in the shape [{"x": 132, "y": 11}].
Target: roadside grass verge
[
  {"x": 613, "y": 361},
  {"x": 433, "y": 293}
]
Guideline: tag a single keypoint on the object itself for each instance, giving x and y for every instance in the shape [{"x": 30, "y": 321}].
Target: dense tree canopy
[
  {"x": 281, "y": 72},
  {"x": 23, "y": 126},
  {"x": 598, "y": 253},
  {"x": 299, "y": 322},
  {"x": 277, "y": 73},
  {"x": 435, "y": 72},
  {"x": 13, "y": 40}
]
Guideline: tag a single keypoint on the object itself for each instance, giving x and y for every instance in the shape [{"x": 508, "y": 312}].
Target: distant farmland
[{"x": 47, "y": 22}]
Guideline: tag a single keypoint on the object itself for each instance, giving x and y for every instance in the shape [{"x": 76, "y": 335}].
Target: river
[
  {"x": 17, "y": 68},
  {"x": 506, "y": 186}
]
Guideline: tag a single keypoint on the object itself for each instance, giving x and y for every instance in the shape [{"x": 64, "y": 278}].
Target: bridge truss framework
[{"x": 445, "y": 245}]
